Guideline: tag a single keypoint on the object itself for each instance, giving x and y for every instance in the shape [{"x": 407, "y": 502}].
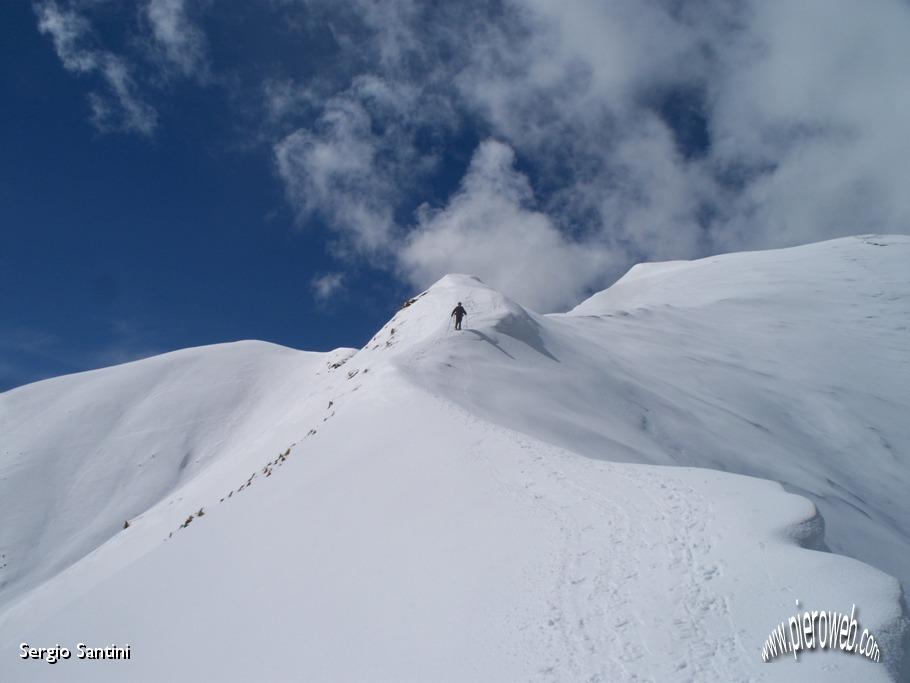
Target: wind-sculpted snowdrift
[{"x": 491, "y": 504}]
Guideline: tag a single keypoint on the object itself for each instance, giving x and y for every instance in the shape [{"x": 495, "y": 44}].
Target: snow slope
[
  {"x": 792, "y": 365},
  {"x": 487, "y": 505},
  {"x": 95, "y": 449}
]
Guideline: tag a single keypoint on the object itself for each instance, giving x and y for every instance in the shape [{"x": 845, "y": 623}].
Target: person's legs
[{"x": 457, "y": 323}]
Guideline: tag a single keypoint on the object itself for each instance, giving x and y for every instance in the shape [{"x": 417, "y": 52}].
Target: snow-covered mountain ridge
[{"x": 488, "y": 504}]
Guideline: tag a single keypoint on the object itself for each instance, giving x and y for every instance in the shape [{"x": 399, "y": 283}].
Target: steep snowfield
[
  {"x": 483, "y": 505},
  {"x": 792, "y": 365}
]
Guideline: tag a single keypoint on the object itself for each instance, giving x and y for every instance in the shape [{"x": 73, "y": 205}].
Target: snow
[
  {"x": 95, "y": 449},
  {"x": 556, "y": 497}
]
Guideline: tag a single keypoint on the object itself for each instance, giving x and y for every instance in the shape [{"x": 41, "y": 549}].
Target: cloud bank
[
  {"x": 645, "y": 130},
  {"x": 599, "y": 132}
]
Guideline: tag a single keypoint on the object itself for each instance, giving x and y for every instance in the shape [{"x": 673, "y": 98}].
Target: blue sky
[
  {"x": 117, "y": 245},
  {"x": 176, "y": 174}
]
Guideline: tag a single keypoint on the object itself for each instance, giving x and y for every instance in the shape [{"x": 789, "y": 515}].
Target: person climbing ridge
[{"x": 458, "y": 313}]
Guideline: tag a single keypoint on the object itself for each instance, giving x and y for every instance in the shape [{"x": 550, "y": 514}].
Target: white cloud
[
  {"x": 174, "y": 44},
  {"x": 334, "y": 172},
  {"x": 490, "y": 229},
  {"x": 327, "y": 285},
  {"x": 283, "y": 100},
  {"x": 134, "y": 114},
  {"x": 348, "y": 174},
  {"x": 68, "y": 30},
  {"x": 816, "y": 93},
  {"x": 182, "y": 44},
  {"x": 119, "y": 107}
]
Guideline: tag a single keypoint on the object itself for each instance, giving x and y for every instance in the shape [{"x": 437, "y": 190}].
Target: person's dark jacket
[{"x": 459, "y": 312}]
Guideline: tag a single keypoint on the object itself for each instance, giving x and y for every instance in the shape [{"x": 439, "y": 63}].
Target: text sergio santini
[{"x": 52, "y": 655}]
